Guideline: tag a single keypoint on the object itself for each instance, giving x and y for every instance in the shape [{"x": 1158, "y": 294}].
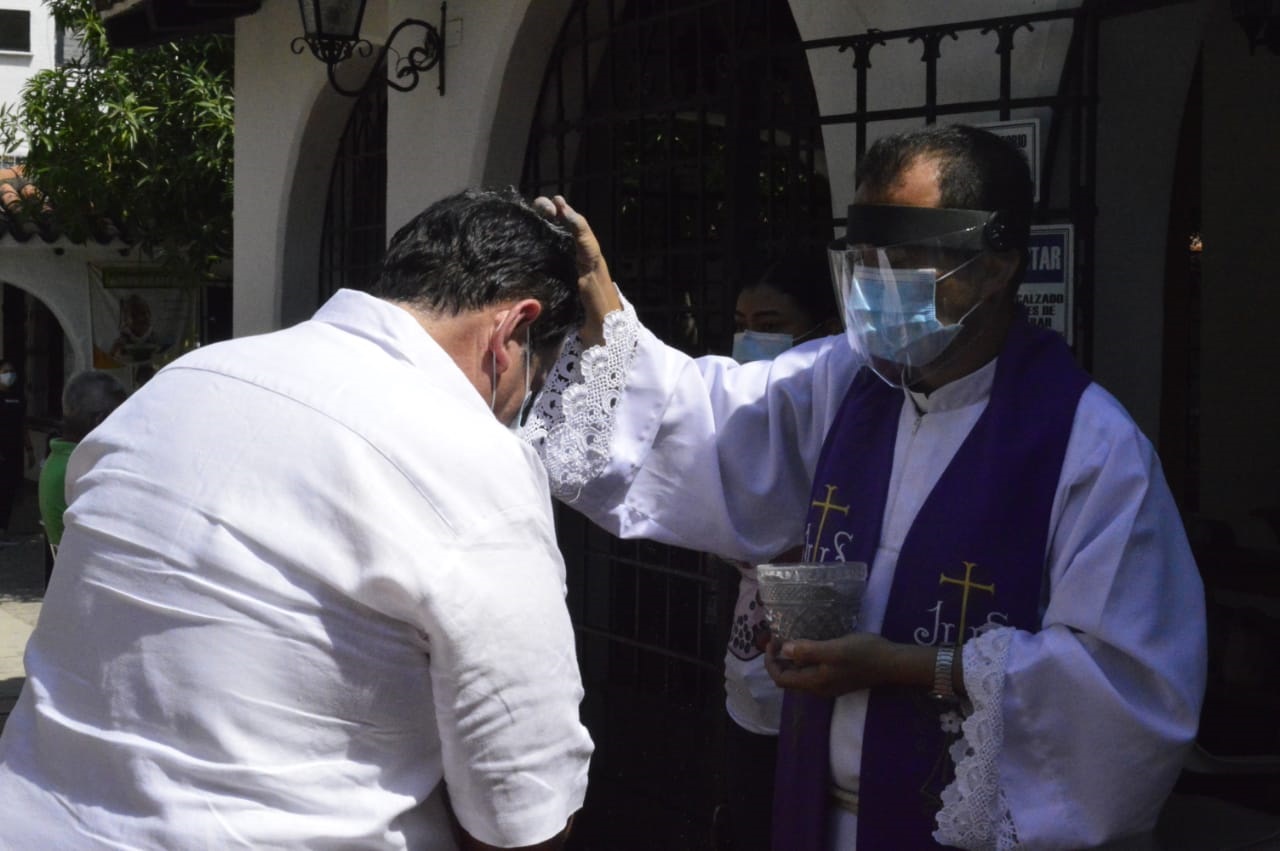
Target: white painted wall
[
  {"x": 287, "y": 128},
  {"x": 475, "y": 135},
  {"x": 58, "y": 274},
  {"x": 15, "y": 67},
  {"x": 288, "y": 122}
]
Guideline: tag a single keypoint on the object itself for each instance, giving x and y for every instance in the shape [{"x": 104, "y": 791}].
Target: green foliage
[{"x": 139, "y": 138}]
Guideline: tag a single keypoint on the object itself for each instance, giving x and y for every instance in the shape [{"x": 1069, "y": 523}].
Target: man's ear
[{"x": 512, "y": 330}]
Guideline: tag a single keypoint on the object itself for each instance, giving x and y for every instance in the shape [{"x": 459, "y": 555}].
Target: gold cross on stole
[
  {"x": 966, "y": 584},
  {"x": 827, "y": 507}
]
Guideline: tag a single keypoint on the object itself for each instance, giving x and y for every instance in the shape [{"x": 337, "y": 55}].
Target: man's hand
[
  {"x": 595, "y": 286},
  {"x": 852, "y": 662}
]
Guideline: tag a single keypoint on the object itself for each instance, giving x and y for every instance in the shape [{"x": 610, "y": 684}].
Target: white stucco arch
[{"x": 58, "y": 274}]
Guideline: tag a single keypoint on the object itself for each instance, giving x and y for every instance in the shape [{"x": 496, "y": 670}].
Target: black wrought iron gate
[{"x": 355, "y": 217}]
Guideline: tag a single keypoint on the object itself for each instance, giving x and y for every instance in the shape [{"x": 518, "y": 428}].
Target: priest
[{"x": 1030, "y": 658}]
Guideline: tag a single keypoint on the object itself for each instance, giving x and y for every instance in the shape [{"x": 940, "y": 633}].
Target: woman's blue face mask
[{"x": 758, "y": 345}]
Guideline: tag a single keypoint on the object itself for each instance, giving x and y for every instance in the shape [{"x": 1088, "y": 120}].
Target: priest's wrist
[
  {"x": 917, "y": 665},
  {"x": 602, "y": 300}
]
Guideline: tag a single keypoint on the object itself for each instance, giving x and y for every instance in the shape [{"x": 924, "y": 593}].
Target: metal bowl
[{"x": 812, "y": 600}]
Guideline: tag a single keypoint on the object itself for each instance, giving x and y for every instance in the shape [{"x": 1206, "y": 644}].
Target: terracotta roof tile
[{"x": 26, "y": 213}]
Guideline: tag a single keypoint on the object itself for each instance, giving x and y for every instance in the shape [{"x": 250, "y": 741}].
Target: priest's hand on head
[
  {"x": 852, "y": 662},
  {"x": 595, "y": 286}
]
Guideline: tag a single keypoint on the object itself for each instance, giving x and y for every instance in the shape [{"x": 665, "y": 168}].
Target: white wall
[
  {"x": 287, "y": 128},
  {"x": 16, "y": 68},
  {"x": 288, "y": 123},
  {"x": 58, "y": 275},
  {"x": 475, "y": 135}
]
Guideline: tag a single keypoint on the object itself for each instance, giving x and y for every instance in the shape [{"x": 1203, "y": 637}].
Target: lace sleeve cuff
[
  {"x": 572, "y": 422},
  {"x": 975, "y": 814}
]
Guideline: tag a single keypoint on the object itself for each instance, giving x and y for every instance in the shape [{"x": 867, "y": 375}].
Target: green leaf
[{"x": 142, "y": 137}]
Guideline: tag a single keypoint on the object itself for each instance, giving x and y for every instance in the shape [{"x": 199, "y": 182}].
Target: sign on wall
[
  {"x": 142, "y": 319},
  {"x": 1025, "y": 136},
  {"x": 1047, "y": 285}
]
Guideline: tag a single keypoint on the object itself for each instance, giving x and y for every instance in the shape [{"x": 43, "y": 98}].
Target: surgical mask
[
  {"x": 7, "y": 378},
  {"x": 757, "y": 345},
  {"x": 892, "y": 317},
  {"x": 886, "y": 274}
]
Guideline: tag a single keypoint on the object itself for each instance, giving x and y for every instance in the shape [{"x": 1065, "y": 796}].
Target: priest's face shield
[{"x": 901, "y": 278}]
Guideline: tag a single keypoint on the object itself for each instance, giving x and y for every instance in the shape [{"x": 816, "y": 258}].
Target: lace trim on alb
[
  {"x": 572, "y": 421},
  {"x": 975, "y": 814}
]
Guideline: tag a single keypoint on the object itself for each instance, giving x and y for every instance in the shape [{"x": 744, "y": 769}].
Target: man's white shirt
[{"x": 307, "y": 578}]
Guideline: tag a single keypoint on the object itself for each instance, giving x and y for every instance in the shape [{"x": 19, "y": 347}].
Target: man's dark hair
[
  {"x": 978, "y": 170},
  {"x": 480, "y": 247},
  {"x": 87, "y": 400},
  {"x": 805, "y": 276}
]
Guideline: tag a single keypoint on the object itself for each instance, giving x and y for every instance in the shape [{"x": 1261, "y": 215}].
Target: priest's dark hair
[
  {"x": 479, "y": 247},
  {"x": 978, "y": 170}
]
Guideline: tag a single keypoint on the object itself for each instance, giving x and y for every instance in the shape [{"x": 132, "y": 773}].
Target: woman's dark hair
[
  {"x": 805, "y": 276},
  {"x": 480, "y": 247}
]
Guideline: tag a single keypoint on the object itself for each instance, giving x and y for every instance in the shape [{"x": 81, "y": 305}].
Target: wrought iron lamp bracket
[{"x": 408, "y": 69}]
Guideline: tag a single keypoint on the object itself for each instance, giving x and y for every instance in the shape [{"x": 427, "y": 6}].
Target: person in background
[
  {"x": 86, "y": 400},
  {"x": 308, "y": 594},
  {"x": 792, "y": 303},
  {"x": 1030, "y": 659},
  {"x": 16, "y": 453}
]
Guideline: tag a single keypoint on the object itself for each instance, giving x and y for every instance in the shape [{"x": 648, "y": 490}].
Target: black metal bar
[
  {"x": 657, "y": 649},
  {"x": 1004, "y": 47},
  {"x": 872, "y": 116},
  {"x": 962, "y": 26},
  {"x": 584, "y": 140},
  {"x": 932, "y": 42},
  {"x": 861, "y": 47},
  {"x": 444, "y": 21}
]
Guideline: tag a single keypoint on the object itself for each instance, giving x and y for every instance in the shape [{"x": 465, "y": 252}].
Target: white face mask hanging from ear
[{"x": 527, "y": 401}]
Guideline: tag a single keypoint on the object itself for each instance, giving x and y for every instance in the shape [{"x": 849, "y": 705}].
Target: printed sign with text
[{"x": 1047, "y": 285}]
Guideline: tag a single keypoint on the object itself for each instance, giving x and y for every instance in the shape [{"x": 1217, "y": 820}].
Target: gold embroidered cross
[
  {"x": 827, "y": 507},
  {"x": 966, "y": 584}
]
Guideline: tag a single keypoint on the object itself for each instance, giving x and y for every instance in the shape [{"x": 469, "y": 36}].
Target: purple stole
[{"x": 975, "y": 554}]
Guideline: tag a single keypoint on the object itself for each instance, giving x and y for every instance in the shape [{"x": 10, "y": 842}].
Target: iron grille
[
  {"x": 355, "y": 218},
  {"x": 697, "y": 153}
]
